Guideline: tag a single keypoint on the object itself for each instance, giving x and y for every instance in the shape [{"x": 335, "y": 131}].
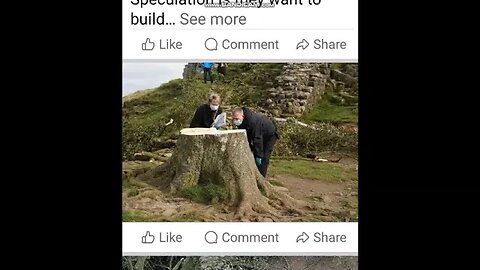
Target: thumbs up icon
[
  {"x": 148, "y": 45},
  {"x": 148, "y": 238}
]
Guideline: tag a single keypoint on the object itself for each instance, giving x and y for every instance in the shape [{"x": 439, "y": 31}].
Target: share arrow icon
[
  {"x": 302, "y": 44},
  {"x": 302, "y": 237}
]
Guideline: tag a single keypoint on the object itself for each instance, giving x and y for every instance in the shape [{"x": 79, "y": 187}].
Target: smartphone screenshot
[{"x": 240, "y": 134}]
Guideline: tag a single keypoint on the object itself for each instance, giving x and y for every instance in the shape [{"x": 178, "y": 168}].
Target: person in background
[
  {"x": 222, "y": 69},
  {"x": 261, "y": 134},
  {"x": 206, "y": 113},
  {"x": 207, "y": 71}
]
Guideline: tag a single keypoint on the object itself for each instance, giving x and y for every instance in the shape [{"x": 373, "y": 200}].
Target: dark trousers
[
  {"x": 268, "y": 143},
  {"x": 222, "y": 70},
  {"x": 207, "y": 71}
]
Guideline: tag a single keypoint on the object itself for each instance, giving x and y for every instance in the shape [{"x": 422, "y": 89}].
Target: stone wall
[
  {"x": 300, "y": 85},
  {"x": 190, "y": 70},
  {"x": 349, "y": 81},
  {"x": 298, "y": 88}
]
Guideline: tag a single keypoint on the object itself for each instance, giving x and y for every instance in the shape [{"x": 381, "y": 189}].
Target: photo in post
[
  {"x": 238, "y": 263},
  {"x": 265, "y": 142}
]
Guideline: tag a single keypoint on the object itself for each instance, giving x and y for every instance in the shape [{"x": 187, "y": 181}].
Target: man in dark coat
[
  {"x": 206, "y": 113},
  {"x": 261, "y": 133},
  {"x": 222, "y": 69}
]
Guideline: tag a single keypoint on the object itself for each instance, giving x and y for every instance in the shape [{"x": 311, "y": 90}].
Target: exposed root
[
  {"x": 291, "y": 204},
  {"x": 248, "y": 210},
  {"x": 157, "y": 176},
  {"x": 269, "y": 204}
]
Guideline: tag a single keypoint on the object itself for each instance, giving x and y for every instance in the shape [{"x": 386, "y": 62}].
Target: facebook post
[{"x": 240, "y": 134}]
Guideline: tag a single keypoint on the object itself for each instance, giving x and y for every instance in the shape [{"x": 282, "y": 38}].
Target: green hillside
[{"x": 144, "y": 113}]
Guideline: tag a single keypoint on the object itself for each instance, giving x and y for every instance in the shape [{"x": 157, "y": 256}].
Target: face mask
[
  {"x": 214, "y": 107},
  {"x": 237, "y": 122}
]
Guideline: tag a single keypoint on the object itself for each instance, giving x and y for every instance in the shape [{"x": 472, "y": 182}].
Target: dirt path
[
  {"x": 335, "y": 201},
  {"x": 301, "y": 189},
  {"x": 316, "y": 263}
]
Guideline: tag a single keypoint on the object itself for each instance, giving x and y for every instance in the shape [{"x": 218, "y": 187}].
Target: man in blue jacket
[
  {"x": 207, "y": 70},
  {"x": 261, "y": 134}
]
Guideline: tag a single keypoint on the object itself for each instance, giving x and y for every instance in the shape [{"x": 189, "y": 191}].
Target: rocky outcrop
[
  {"x": 348, "y": 80},
  {"x": 190, "y": 70},
  {"x": 299, "y": 86}
]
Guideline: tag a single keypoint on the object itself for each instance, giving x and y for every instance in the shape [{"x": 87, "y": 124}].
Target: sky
[{"x": 141, "y": 76}]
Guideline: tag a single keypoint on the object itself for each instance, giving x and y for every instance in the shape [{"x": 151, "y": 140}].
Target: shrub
[{"x": 297, "y": 140}]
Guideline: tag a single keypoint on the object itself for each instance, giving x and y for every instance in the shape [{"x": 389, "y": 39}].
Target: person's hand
[{"x": 258, "y": 160}]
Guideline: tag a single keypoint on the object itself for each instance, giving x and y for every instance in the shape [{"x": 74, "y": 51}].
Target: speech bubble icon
[
  {"x": 211, "y": 237},
  {"x": 211, "y": 44}
]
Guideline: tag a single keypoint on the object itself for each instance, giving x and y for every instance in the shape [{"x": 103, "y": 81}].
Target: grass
[
  {"x": 125, "y": 184},
  {"x": 275, "y": 183},
  {"x": 187, "y": 216},
  {"x": 326, "y": 111},
  {"x": 143, "y": 117},
  {"x": 204, "y": 193},
  {"x": 330, "y": 172},
  {"x": 158, "y": 103},
  {"x": 249, "y": 82},
  {"x": 140, "y": 216}
]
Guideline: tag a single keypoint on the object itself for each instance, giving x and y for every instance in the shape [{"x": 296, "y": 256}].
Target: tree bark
[
  {"x": 224, "y": 158},
  {"x": 129, "y": 263},
  {"x": 139, "y": 264}
]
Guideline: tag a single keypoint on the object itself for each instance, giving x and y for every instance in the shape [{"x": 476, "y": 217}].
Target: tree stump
[{"x": 224, "y": 158}]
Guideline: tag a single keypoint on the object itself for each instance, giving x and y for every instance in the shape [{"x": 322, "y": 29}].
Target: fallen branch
[
  {"x": 295, "y": 121},
  {"x": 146, "y": 156}
]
